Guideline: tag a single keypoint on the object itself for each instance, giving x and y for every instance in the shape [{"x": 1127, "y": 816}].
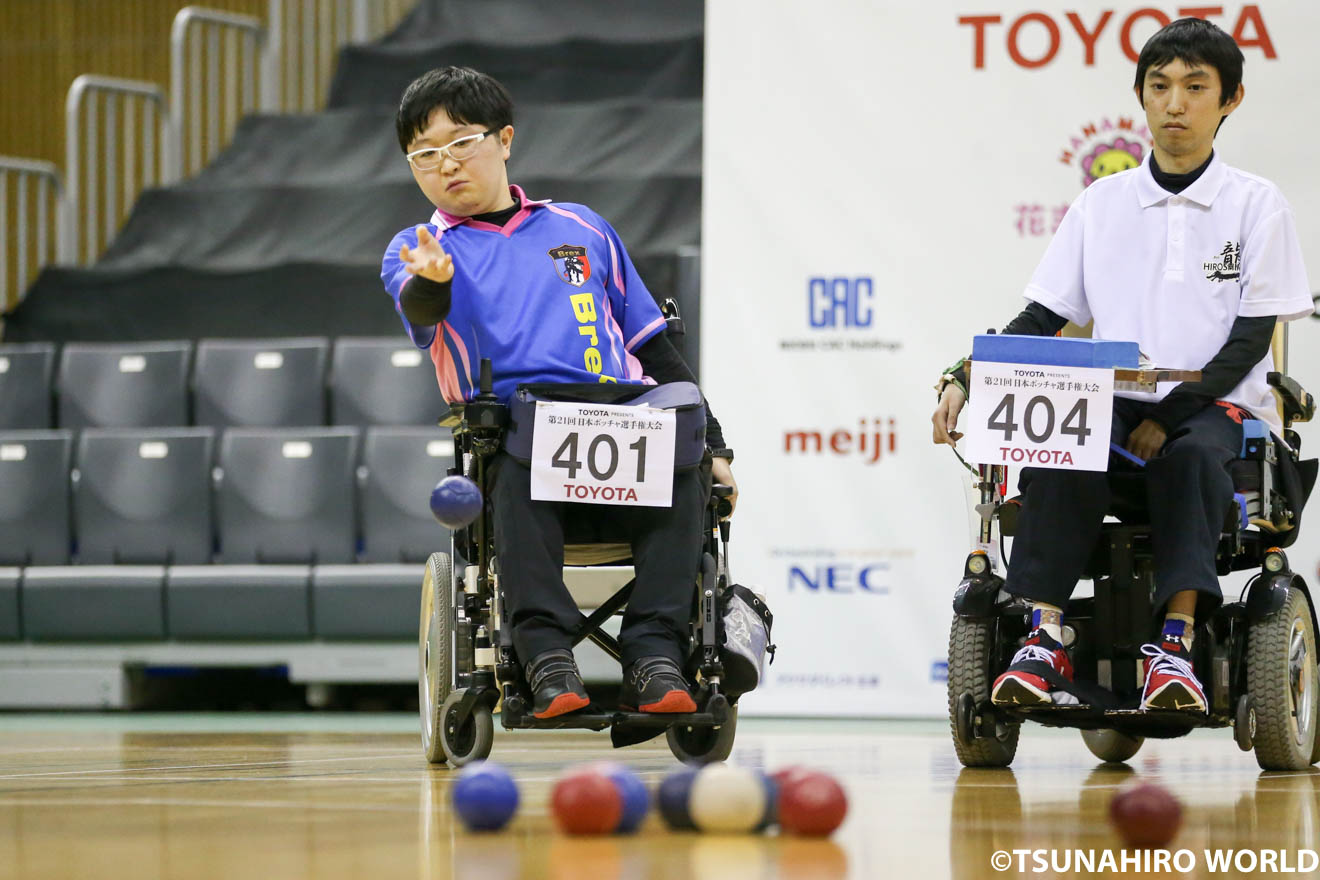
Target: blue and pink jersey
[{"x": 550, "y": 297}]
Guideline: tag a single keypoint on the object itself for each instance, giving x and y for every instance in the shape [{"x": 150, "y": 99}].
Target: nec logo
[
  {"x": 841, "y": 578},
  {"x": 840, "y": 302}
]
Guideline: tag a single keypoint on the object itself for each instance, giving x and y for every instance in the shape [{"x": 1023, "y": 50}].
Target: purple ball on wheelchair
[{"x": 455, "y": 502}]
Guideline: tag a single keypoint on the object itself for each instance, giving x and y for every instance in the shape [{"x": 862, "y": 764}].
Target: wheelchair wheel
[
  {"x": 971, "y": 654},
  {"x": 1110, "y": 745},
  {"x": 1281, "y": 678},
  {"x": 433, "y": 647},
  {"x": 469, "y": 741},
  {"x": 703, "y": 745}
]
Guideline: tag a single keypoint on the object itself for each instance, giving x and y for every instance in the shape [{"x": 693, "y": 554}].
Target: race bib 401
[{"x": 595, "y": 453}]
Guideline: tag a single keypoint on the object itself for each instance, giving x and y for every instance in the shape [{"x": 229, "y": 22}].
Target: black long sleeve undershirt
[
  {"x": 425, "y": 302},
  {"x": 1248, "y": 343},
  {"x": 663, "y": 363}
]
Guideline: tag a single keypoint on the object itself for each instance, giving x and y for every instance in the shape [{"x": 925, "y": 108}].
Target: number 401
[
  {"x": 1074, "y": 424},
  {"x": 566, "y": 456}
]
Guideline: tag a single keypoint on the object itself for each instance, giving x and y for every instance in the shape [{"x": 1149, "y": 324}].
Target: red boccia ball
[
  {"x": 1146, "y": 815},
  {"x": 586, "y": 802},
  {"x": 811, "y": 803}
]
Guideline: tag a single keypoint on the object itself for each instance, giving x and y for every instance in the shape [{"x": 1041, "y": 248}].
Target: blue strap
[
  {"x": 1241, "y": 501},
  {"x": 1114, "y": 447}
]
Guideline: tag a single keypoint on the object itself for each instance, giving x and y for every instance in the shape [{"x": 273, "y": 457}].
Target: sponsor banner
[{"x": 880, "y": 180}]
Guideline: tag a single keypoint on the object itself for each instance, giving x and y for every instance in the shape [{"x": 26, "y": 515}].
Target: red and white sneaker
[
  {"x": 1170, "y": 683},
  {"x": 1022, "y": 684}
]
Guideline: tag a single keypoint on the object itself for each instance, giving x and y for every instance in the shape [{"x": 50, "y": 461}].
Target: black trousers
[
  {"x": 529, "y": 541},
  {"x": 1187, "y": 488}
]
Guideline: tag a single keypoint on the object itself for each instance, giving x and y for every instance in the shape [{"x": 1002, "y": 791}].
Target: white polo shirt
[{"x": 1173, "y": 272}]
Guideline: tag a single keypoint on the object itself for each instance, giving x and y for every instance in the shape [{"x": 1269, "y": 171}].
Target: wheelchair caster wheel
[
  {"x": 703, "y": 745},
  {"x": 964, "y": 719},
  {"x": 1282, "y": 682},
  {"x": 973, "y": 664},
  {"x": 1110, "y": 745},
  {"x": 433, "y": 669},
  {"x": 1244, "y": 722},
  {"x": 469, "y": 740}
]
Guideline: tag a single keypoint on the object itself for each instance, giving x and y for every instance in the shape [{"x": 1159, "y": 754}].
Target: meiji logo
[
  {"x": 839, "y": 578},
  {"x": 1033, "y": 39},
  {"x": 871, "y": 440},
  {"x": 1029, "y": 372},
  {"x": 1227, "y": 264}
]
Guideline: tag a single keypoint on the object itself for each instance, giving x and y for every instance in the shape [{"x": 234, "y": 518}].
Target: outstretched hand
[{"x": 428, "y": 259}]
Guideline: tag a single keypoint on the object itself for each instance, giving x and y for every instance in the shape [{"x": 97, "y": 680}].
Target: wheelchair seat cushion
[{"x": 684, "y": 398}]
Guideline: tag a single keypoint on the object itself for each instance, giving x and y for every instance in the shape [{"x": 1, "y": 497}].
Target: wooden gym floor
[{"x": 339, "y": 796}]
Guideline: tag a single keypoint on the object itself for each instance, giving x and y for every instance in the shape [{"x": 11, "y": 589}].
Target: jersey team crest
[{"x": 571, "y": 264}]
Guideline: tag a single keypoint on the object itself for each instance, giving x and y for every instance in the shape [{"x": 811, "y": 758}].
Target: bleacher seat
[
  {"x": 365, "y": 601},
  {"x": 143, "y": 496},
  {"x": 399, "y": 468},
  {"x": 260, "y": 382},
  {"x": 93, "y": 602},
  {"x": 238, "y": 601},
  {"x": 34, "y": 497},
  {"x": 386, "y": 380},
  {"x": 26, "y": 371},
  {"x": 286, "y": 495},
  {"x": 139, "y": 384}
]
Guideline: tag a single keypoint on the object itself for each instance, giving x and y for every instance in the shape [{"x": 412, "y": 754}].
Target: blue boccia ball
[
  {"x": 632, "y": 793},
  {"x": 673, "y": 797},
  {"x": 455, "y": 502},
  {"x": 485, "y": 796}
]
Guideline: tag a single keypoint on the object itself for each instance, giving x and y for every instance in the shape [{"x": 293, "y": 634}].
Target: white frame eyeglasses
[{"x": 459, "y": 149}]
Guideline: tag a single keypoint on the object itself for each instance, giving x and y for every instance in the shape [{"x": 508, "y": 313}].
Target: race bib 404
[
  {"x": 594, "y": 453},
  {"x": 1040, "y": 416}
]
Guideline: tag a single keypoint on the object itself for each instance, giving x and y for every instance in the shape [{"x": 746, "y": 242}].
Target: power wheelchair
[
  {"x": 1255, "y": 656},
  {"x": 467, "y": 666}
]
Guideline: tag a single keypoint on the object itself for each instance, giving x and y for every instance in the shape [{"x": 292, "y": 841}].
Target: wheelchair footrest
[
  {"x": 1156, "y": 724},
  {"x": 598, "y": 718}
]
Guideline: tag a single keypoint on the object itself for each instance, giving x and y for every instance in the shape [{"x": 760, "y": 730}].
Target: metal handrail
[
  {"x": 47, "y": 178},
  {"x": 78, "y": 117},
  {"x": 243, "y": 46}
]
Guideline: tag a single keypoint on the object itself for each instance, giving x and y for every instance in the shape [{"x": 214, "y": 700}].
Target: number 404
[{"x": 1074, "y": 424}]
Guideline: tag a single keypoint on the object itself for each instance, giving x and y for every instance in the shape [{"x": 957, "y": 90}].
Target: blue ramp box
[{"x": 1055, "y": 351}]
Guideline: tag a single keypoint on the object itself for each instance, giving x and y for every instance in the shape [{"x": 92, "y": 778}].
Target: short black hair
[
  {"x": 467, "y": 96},
  {"x": 1193, "y": 41}
]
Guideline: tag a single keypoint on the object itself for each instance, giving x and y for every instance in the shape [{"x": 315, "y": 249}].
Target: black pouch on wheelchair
[
  {"x": 684, "y": 398},
  {"x": 747, "y": 622}
]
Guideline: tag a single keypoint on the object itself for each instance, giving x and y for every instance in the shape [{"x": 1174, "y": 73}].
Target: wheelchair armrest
[
  {"x": 719, "y": 490},
  {"x": 1298, "y": 404}
]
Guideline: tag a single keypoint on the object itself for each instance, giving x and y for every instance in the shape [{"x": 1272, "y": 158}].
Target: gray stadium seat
[
  {"x": 285, "y": 495},
  {"x": 365, "y": 601},
  {"x": 26, "y": 371},
  {"x": 260, "y": 382},
  {"x": 34, "y": 497},
  {"x": 238, "y": 602},
  {"x": 93, "y": 602},
  {"x": 120, "y": 385},
  {"x": 9, "y": 578},
  {"x": 399, "y": 468},
  {"x": 386, "y": 380},
  {"x": 143, "y": 496}
]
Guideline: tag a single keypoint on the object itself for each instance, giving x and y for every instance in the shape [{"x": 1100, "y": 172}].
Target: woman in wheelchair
[
  {"x": 548, "y": 294},
  {"x": 1197, "y": 263}
]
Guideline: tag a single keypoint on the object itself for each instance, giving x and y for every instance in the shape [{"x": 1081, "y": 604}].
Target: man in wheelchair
[
  {"x": 547, "y": 293},
  {"x": 1196, "y": 262}
]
